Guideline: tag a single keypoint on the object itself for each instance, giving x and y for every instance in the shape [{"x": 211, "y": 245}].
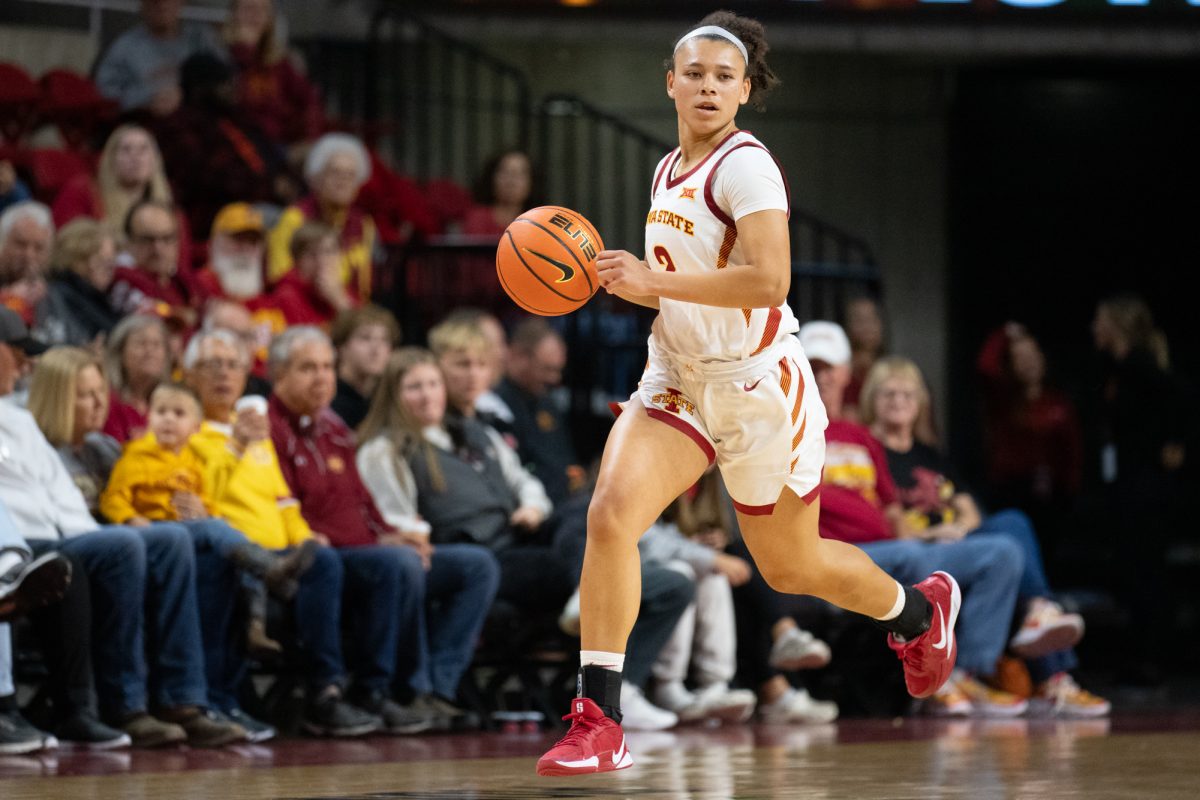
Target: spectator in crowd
[
  {"x": 76, "y": 310},
  {"x": 154, "y": 284},
  {"x": 214, "y": 153},
  {"x": 236, "y": 257},
  {"x": 505, "y": 190},
  {"x": 458, "y": 476},
  {"x": 336, "y": 168},
  {"x": 465, "y": 355},
  {"x": 140, "y": 70},
  {"x": 317, "y": 454},
  {"x": 130, "y": 170},
  {"x": 1034, "y": 444},
  {"x": 241, "y": 465},
  {"x": 537, "y": 356},
  {"x": 26, "y": 585},
  {"x": 690, "y": 539},
  {"x": 938, "y": 506},
  {"x": 860, "y": 505},
  {"x": 26, "y": 236},
  {"x": 271, "y": 86},
  {"x": 12, "y": 189},
  {"x": 312, "y": 292},
  {"x": 1138, "y": 431},
  {"x": 255, "y": 332},
  {"x": 864, "y": 327},
  {"x": 364, "y": 339},
  {"x": 136, "y": 360},
  {"x": 154, "y": 568}
]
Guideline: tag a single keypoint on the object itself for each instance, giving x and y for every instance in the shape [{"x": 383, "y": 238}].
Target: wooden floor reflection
[{"x": 972, "y": 759}]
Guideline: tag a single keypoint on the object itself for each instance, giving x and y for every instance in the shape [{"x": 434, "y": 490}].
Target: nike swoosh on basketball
[
  {"x": 752, "y": 386},
  {"x": 945, "y": 633},
  {"x": 567, "y": 270},
  {"x": 619, "y": 753}
]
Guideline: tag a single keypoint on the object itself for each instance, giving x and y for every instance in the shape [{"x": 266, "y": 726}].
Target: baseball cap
[
  {"x": 238, "y": 218},
  {"x": 14, "y": 333},
  {"x": 825, "y": 341}
]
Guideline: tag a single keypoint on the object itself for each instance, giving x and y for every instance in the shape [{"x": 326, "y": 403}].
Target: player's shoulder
[{"x": 745, "y": 149}]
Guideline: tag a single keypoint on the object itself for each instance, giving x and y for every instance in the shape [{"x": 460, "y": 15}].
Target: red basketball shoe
[
  {"x": 929, "y": 659},
  {"x": 594, "y": 744}
]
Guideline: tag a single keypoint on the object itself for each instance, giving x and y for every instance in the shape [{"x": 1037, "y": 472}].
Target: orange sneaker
[
  {"x": 948, "y": 701},
  {"x": 1061, "y": 696},
  {"x": 593, "y": 744},
  {"x": 989, "y": 702}
]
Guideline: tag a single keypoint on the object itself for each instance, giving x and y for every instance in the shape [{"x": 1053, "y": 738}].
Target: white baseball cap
[{"x": 825, "y": 341}]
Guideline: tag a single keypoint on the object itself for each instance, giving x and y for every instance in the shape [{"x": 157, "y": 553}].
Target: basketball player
[{"x": 727, "y": 381}]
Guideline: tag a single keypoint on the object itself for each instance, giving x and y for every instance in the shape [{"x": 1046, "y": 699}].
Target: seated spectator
[
  {"x": 335, "y": 169},
  {"x": 364, "y": 339},
  {"x": 864, "y": 327},
  {"x": 241, "y": 465},
  {"x": 76, "y": 310},
  {"x": 271, "y": 86},
  {"x": 130, "y": 170},
  {"x": 12, "y": 189},
  {"x": 938, "y": 507},
  {"x": 140, "y": 70},
  {"x": 26, "y": 236},
  {"x": 137, "y": 359},
  {"x": 154, "y": 568},
  {"x": 691, "y": 539},
  {"x": 317, "y": 455},
  {"x": 456, "y": 475},
  {"x": 465, "y": 356},
  {"x": 537, "y": 356},
  {"x": 161, "y": 477},
  {"x": 53, "y": 590},
  {"x": 236, "y": 257},
  {"x": 1034, "y": 441},
  {"x": 255, "y": 330},
  {"x": 312, "y": 291},
  {"x": 860, "y": 505},
  {"x": 505, "y": 190},
  {"x": 215, "y": 154},
  {"x": 154, "y": 285}
]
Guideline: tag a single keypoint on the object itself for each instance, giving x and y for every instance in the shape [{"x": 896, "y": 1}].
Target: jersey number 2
[{"x": 663, "y": 257}]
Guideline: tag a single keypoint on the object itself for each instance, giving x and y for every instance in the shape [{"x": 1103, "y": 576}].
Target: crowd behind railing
[{"x": 215, "y": 458}]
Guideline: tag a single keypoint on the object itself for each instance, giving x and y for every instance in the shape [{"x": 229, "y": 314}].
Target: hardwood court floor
[{"x": 1130, "y": 757}]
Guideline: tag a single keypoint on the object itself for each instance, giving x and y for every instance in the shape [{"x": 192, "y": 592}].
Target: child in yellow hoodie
[{"x": 160, "y": 477}]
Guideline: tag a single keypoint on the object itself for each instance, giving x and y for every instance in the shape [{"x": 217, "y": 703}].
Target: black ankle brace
[{"x": 603, "y": 687}]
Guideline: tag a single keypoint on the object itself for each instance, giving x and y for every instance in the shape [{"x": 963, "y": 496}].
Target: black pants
[
  {"x": 65, "y": 633},
  {"x": 665, "y": 596}
]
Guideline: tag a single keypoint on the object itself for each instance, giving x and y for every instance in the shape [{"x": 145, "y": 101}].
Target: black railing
[{"x": 446, "y": 104}]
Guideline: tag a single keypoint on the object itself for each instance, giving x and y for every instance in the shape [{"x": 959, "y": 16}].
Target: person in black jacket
[{"x": 76, "y": 310}]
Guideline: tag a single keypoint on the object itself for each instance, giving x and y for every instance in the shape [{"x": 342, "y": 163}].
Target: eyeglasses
[{"x": 220, "y": 365}]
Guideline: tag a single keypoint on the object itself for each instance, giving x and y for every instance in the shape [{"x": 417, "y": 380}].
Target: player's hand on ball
[{"x": 621, "y": 271}]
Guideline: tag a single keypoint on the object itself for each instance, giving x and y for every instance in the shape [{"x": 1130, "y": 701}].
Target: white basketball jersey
[{"x": 692, "y": 227}]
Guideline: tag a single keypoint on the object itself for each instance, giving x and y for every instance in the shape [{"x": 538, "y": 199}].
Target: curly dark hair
[{"x": 753, "y": 35}]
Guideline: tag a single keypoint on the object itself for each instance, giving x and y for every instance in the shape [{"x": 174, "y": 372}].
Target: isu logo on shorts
[{"x": 672, "y": 400}]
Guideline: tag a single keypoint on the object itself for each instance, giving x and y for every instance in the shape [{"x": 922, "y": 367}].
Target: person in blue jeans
[
  {"x": 132, "y": 574},
  {"x": 938, "y": 507}
]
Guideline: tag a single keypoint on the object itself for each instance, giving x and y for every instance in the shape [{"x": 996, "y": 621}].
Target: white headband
[{"x": 715, "y": 30}]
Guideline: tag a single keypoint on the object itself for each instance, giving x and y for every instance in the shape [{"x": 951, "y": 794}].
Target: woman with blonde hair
[
  {"x": 69, "y": 398},
  {"x": 938, "y": 506},
  {"x": 136, "y": 360},
  {"x": 76, "y": 310},
  {"x": 130, "y": 170}
]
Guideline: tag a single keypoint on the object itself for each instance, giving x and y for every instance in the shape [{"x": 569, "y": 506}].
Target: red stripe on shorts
[{"x": 681, "y": 426}]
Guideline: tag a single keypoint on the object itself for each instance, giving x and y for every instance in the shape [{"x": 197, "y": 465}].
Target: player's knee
[
  {"x": 789, "y": 578},
  {"x": 607, "y": 524}
]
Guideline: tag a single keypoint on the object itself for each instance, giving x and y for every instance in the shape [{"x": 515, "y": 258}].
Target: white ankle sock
[
  {"x": 599, "y": 658},
  {"x": 897, "y": 607}
]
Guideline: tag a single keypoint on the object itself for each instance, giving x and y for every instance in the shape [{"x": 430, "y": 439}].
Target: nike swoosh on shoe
[
  {"x": 591, "y": 761},
  {"x": 945, "y": 637}
]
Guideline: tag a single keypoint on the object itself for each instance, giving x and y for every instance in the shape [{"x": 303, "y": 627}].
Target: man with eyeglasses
[{"x": 152, "y": 284}]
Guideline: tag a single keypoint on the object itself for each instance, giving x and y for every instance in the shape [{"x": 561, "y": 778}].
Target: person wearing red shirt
[
  {"x": 860, "y": 504},
  {"x": 389, "y": 572},
  {"x": 312, "y": 292},
  {"x": 154, "y": 285}
]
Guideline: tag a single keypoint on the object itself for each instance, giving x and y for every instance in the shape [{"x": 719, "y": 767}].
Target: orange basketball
[{"x": 546, "y": 260}]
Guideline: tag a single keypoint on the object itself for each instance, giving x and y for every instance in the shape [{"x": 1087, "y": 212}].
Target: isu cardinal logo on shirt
[{"x": 336, "y": 464}]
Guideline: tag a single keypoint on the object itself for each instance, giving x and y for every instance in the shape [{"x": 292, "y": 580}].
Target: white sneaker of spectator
[
  {"x": 1046, "y": 629},
  {"x": 568, "y": 620},
  {"x": 642, "y": 715},
  {"x": 716, "y": 701},
  {"x": 797, "y": 649},
  {"x": 797, "y": 705}
]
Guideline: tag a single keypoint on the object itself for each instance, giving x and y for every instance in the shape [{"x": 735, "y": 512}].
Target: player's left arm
[{"x": 762, "y": 282}]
